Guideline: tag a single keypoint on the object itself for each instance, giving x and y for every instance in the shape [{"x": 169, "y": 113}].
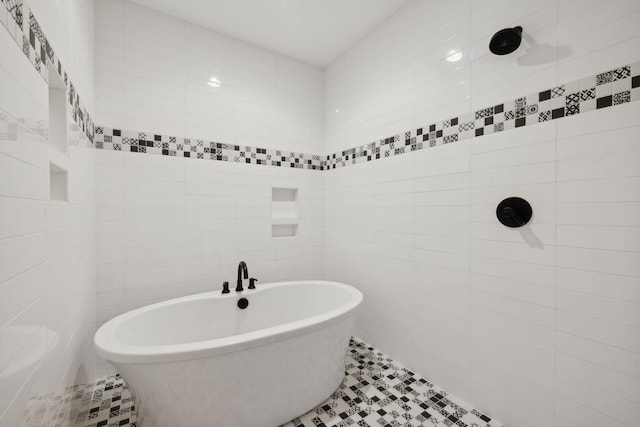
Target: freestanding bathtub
[{"x": 202, "y": 361}]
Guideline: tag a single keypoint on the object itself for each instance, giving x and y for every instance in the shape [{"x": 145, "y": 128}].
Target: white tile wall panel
[
  {"x": 571, "y": 413},
  {"x": 188, "y": 223},
  {"x": 607, "y": 285},
  {"x": 265, "y": 100},
  {"x": 48, "y": 269},
  {"x": 510, "y": 319},
  {"x": 511, "y": 308}
]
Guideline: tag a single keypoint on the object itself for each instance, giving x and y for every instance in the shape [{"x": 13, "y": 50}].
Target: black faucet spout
[{"x": 242, "y": 271}]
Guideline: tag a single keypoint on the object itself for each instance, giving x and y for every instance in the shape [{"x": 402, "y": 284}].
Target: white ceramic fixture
[{"x": 201, "y": 360}]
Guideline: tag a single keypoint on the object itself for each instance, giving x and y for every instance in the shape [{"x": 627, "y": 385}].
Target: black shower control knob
[{"x": 514, "y": 212}]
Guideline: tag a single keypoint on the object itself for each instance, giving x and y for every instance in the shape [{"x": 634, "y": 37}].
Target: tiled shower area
[{"x": 142, "y": 156}]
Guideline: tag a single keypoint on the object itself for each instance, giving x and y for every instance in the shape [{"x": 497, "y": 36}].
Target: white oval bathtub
[{"x": 202, "y": 361}]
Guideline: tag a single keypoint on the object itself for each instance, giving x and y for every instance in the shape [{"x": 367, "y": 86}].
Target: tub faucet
[{"x": 242, "y": 270}]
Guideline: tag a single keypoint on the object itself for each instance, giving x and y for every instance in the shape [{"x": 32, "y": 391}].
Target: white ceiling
[{"x": 313, "y": 31}]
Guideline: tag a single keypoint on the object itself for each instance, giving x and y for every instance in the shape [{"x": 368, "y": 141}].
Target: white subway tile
[
  {"x": 613, "y": 310},
  {"x": 619, "y": 141},
  {"x": 570, "y": 411},
  {"x": 621, "y": 410},
  {"x": 625, "y": 288},
  {"x": 600, "y": 237},
  {"x": 525, "y": 331},
  {"x": 627, "y": 214},
  {"x": 602, "y": 331},
  {"x": 513, "y": 366},
  {"x": 603, "y": 355},
  {"x": 606, "y": 380},
  {"x": 599, "y": 260}
]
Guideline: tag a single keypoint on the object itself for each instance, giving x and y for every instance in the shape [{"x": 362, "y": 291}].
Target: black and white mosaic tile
[
  {"x": 614, "y": 87},
  {"x": 603, "y": 90},
  {"x": 30, "y": 38},
  {"x": 376, "y": 392},
  {"x": 176, "y": 146},
  {"x": 610, "y": 88}
]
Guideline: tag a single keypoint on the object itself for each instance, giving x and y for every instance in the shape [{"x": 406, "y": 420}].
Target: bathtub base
[{"x": 262, "y": 386}]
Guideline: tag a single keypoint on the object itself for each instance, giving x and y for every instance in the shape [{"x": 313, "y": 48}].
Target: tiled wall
[
  {"x": 266, "y": 99},
  {"x": 47, "y": 248},
  {"x": 176, "y": 146},
  {"x": 73, "y": 41},
  {"x": 536, "y": 326},
  {"x": 171, "y": 226},
  {"x": 397, "y": 78}
]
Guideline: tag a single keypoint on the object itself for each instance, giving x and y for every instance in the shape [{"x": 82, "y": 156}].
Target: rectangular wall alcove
[
  {"x": 284, "y": 212},
  {"x": 58, "y": 183}
]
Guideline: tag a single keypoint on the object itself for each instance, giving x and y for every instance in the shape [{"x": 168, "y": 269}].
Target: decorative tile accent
[
  {"x": 587, "y": 94},
  {"x": 621, "y": 73},
  {"x": 622, "y": 97},
  {"x": 485, "y": 112},
  {"x": 174, "y": 146},
  {"x": 572, "y": 109},
  {"x": 14, "y": 8},
  {"x": 613, "y": 87},
  {"x": 35, "y": 46},
  {"x": 605, "y": 101},
  {"x": 604, "y": 78},
  {"x": 544, "y": 95},
  {"x": 544, "y": 116},
  {"x": 557, "y": 92},
  {"x": 571, "y": 98},
  {"x": 375, "y": 392}
]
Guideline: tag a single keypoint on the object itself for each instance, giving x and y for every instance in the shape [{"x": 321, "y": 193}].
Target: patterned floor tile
[{"x": 376, "y": 392}]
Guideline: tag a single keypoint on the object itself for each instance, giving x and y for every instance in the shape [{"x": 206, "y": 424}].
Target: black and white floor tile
[{"x": 376, "y": 392}]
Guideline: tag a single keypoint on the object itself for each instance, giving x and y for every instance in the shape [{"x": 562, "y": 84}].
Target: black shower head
[{"x": 506, "y": 41}]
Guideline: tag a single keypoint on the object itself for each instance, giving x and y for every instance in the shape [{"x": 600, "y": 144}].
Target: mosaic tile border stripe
[
  {"x": 141, "y": 142},
  {"x": 34, "y": 44},
  {"x": 613, "y": 87},
  {"x": 376, "y": 391},
  {"x": 610, "y": 88}
]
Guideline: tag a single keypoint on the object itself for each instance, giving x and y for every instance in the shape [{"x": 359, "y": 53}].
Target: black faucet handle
[
  {"x": 225, "y": 288},
  {"x": 252, "y": 283}
]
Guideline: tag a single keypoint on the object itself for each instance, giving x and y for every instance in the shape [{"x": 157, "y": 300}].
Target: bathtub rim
[{"x": 105, "y": 340}]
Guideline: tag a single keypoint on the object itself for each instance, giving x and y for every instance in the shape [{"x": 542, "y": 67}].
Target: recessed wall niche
[
  {"x": 284, "y": 212},
  {"x": 57, "y": 112},
  {"x": 58, "y": 183}
]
